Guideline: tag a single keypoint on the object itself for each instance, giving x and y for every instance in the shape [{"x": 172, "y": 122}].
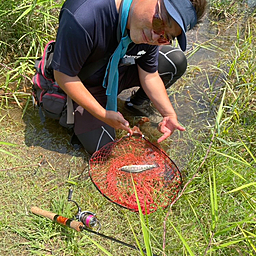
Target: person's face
[{"x": 150, "y": 23}]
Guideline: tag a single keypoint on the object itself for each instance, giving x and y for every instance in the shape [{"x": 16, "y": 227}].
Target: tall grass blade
[
  {"x": 213, "y": 199},
  {"x": 145, "y": 231},
  {"x": 229, "y": 226},
  {"x": 17, "y": 101},
  {"x": 135, "y": 236},
  {"x": 196, "y": 216},
  {"x": 26, "y": 107},
  {"x": 249, "y": 240},
  {"x": 236, "y": 173},
  {"x": 182, "y": 239},
  {"x": 9, "y": 153},
  {"x": 99, "y": 246},
  {"x": 249, "y": 151},
  {"x": 227, "y": 244},
  {"x": 233, "y": 158},
  {"x": 220, "y": 112},
  {"x": 8, "y": 144},
  {"x": 25, "y": 13},
  {"x": 242, "y": 187},
  {"x": 249, "y": 199}
]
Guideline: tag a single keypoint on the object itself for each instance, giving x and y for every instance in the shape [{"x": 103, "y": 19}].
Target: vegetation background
[{"x": 216, "y": 99}]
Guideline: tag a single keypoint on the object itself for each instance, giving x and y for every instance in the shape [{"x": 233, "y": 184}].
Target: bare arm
[
  {"x": 75, "y": 89},
  {"x": 153, "y": 86}
]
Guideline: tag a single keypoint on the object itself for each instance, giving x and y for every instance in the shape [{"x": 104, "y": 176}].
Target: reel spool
[{"x": 88, "y": 218}]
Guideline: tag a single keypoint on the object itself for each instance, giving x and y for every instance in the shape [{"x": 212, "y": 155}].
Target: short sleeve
[{"x": 73, "y": 45}]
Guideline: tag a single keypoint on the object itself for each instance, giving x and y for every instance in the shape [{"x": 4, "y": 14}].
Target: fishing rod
[{"x": 84, "y": 220}]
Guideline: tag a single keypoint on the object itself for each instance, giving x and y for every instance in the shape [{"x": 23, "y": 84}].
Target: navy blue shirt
[{"x": 88, "y": 32}]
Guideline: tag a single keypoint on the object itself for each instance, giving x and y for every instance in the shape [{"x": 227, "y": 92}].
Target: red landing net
[{"x": 156, "y": 187}]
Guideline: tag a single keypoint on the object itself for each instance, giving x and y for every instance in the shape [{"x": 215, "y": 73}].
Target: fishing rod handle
[{"x": 76, "y": 225}]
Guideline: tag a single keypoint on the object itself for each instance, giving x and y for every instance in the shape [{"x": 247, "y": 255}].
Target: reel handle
[{"x": 76, "y": 225}]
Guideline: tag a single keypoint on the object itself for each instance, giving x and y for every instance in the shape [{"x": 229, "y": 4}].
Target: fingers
[
  {"x": 167, "y": 128},
  {"x": 163, "y": 129},
  {"x": 125, "y": 124},
  {"x": 181, "y": 128},
  {"x": 165, "y": 136},
  {"x": 162, "y": 126}
]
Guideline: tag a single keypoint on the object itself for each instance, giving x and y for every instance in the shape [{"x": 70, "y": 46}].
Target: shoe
[
  {"x": 75, "y": 142},
  {"x": 145, "y": 109}
]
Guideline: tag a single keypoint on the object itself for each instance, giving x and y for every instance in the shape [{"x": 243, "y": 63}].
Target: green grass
[{"x": 215, "y": 214}]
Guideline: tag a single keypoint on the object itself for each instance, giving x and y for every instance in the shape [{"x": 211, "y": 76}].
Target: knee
[
  {"x": 172, "y": 62},
  {"x": 180, "y": 61},
  {"x": 96, "y": 139}
]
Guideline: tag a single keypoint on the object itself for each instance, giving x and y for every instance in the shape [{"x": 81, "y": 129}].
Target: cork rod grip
[
  {"x": 76, "y": 225},
  {"x": 38, "y": 211}
]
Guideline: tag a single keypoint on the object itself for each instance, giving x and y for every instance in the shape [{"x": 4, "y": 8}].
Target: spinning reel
[{"x": 88, "y": 218}]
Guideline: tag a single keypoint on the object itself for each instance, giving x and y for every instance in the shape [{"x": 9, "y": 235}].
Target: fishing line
[
  {"x": 118, "y": 241},
  {"x": 84, "y": 220}
]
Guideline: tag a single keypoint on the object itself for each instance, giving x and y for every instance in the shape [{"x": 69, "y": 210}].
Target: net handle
[{"x": 135, "y": 132}]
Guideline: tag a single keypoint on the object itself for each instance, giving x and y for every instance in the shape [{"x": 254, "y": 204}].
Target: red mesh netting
[{"x": 155, "y": 188}]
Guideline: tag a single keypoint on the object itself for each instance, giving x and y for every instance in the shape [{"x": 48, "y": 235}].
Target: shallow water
[
  {"x": 191, "y": 98},
  {"x": 195, "y": 97}
]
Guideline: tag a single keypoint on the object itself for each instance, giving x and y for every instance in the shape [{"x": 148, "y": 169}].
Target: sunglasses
[{"x": 158, "y": 26}]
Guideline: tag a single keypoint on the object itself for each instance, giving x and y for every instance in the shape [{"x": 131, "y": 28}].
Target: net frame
[{"x": 106, "y": 174}]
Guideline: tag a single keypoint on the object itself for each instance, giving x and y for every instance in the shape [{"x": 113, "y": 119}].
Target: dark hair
[{"x": 200, "y": 7}]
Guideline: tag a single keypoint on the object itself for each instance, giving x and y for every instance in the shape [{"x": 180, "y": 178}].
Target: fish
[{"x": 138, "y": 168}]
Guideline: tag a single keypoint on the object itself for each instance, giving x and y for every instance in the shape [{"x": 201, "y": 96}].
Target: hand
[
  {"x": 117, "y": 121},
  {"x": 168, "y": 126}
]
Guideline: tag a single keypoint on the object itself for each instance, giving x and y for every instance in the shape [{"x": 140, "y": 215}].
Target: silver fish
[{"x": 138, "y": 168}]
